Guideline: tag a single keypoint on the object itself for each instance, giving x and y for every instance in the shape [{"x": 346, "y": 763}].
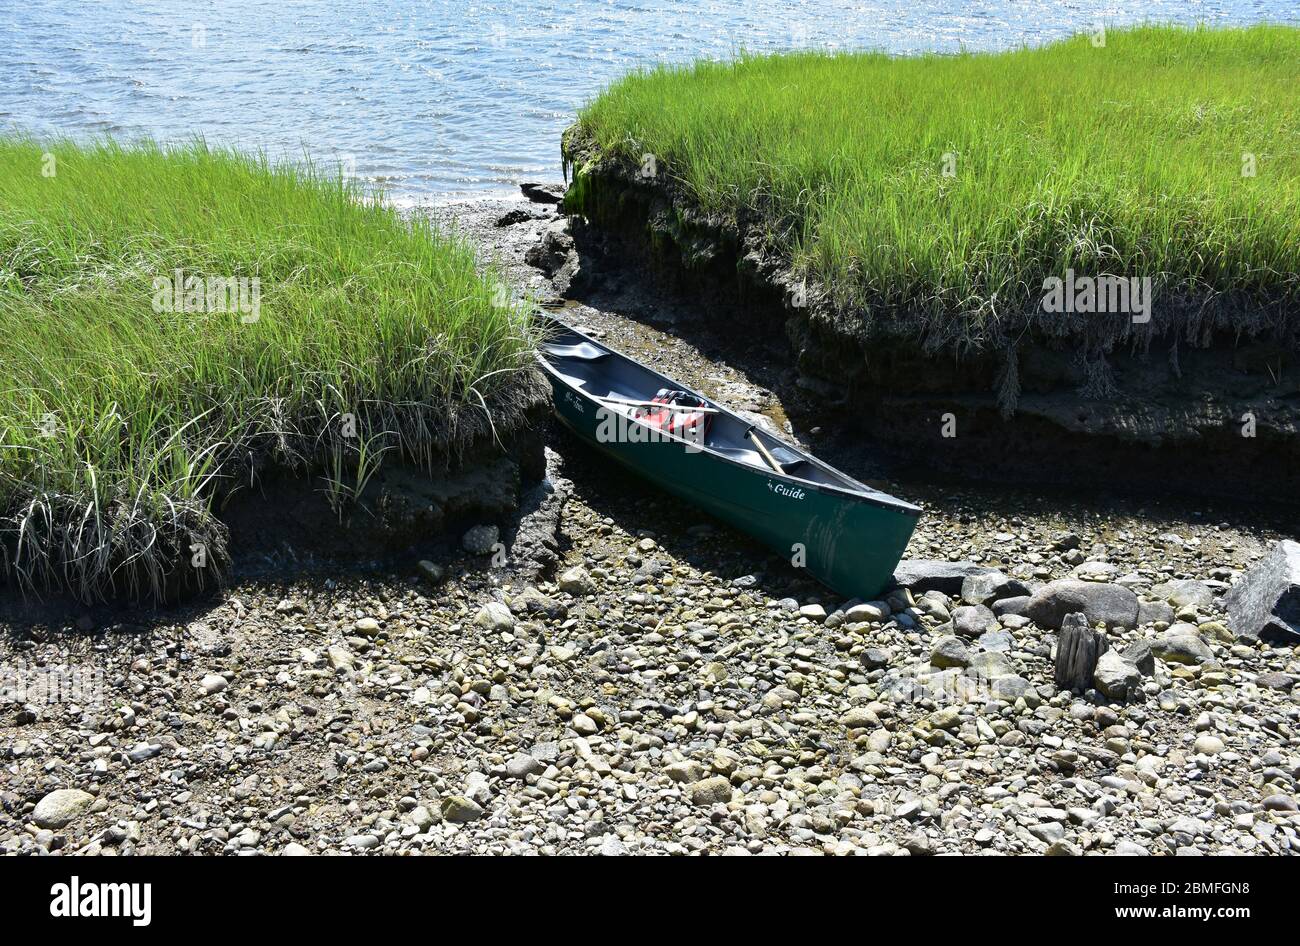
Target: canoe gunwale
[{"x": 866, "y": 495}]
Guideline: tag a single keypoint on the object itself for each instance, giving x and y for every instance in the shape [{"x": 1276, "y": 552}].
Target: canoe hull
[{"x": 849, "y": 544}]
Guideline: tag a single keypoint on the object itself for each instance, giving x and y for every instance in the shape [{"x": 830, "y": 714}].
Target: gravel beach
[{"x": 669, "y": 687}]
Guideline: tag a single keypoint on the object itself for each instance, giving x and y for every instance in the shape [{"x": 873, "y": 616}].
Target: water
[{"x": 440, "y": 99}]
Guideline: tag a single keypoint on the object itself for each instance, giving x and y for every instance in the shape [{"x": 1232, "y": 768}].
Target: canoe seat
[
  {"x": 789, "y": 460},
  {"x": 583, "y": 351}
]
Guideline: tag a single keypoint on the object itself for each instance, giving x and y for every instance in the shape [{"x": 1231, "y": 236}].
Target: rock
[
  {"x": 367, "y": 626},
  {"x": 920, "y": 575},
  {"x": 1099, "y": 602},
  {"x": 1264, "y": 604},
  {"x": 859, "y": 717},
  {"x": 480, "y": 540},
  {"x": 521, "y": 765},
  {"x": 584, "y": 725},
  {"x": 873, "y": 658},
  {"x": 61, "y": 807},
  {"x": 1115, "y": 677},
  {"x": 949, "y": 651},
  {"x": 1127, "y": 848},
  {"x": 1181, "y": 645},
  {"x": 1280, "y": 803},
  {"x": 999, "y": 640},
  {"x": 213, "y": 683},
  {"x": 1275, "y": 681},
  {"x": 494, "y": 617},
  {"x": 542, "y": 193},
  {"x": 1208, "y": 745},
  {"x": 1140, "y": 655},
  {"x": 972, "y": 620},
  {"x": 611, "y": 846},
  {"x": 1011, "y": 688},
  {"x": 552, "y": 251},
  {"x": 293, "y": 849},
  {"x": 947, "y": 718},
  {"x": 1015, "y": 605},
  {"x": 813, "y": 612},
  {"x": 1149, "y": 612},
  {"x": 512, "y": 217},
  {"x": 987, "y": 587},
  {"x": 711, "y": 791},
  {"x": 340, "y": 658},
  {"x": 991, "y": 665},
  {"x": 577, "y": 582},
  {"x": 685, "y": 772},
  {"x": 460, "y": 810},
  {"x": 532, "y": 601},
  {"x": 434, "y": 573},
  {"x": 871, "y": 612},
  {"x": 1182, "y": 592}
]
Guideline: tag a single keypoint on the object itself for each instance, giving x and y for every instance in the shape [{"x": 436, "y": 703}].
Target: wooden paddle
[
  {"x": 767, "y": 454},
  {"x": 666, "y": 407}
]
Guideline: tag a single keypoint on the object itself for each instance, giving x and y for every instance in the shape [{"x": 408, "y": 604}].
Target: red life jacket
[{"x": 692, "y": 425}]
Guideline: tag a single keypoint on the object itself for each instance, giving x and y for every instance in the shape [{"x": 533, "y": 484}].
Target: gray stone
[
  {"x": 1181, "y": 645},
  {"x": 949, "y": 651},
  {"x": 999, "y": 640},
  {"x": 432, "y": 571},
  {"x": 480, "y": 540},
  {"x": 577, "y": 582},
  {"x": 922, "y": 574},
  {"x": 1182, "y": 592},
  {"x": 972, "y": 620},
  {"x": 1099, "y": 602},
  {"x": 1015, "y": 605},
  {"x": 460, "y": 810},
  {"x": 61, "y": 807},
  {"x": 494, "y": 616},
  {"x": 521, "y": 765},
  {"x": 711, "y": 791},
  {"x": 1264, "y": 604},
  {"x": 1127, "y": 848},
  {"x": 1116, "y": 677},
  {"x": 1140, "y": 655},
  {"x": 1149, "y": 612},
  {"x": 986, "y": 587}
]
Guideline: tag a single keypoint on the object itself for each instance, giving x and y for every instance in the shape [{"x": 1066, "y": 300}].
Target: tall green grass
[
  {"x": 120, "y": 425},
  {"x": 1124, "y": 159}
]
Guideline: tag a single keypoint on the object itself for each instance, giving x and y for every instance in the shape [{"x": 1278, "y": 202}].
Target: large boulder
[
  {"x": 1099, "y": 602},
  {"x": 928, "y": 574},
  {"x": 1264, "y": 605}
]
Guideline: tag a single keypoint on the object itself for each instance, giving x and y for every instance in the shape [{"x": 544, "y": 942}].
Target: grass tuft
[{"x": 125, "y": 415}]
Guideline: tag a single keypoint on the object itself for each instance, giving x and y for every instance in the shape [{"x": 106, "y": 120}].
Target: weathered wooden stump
[{"x": 1078, "y": 648}]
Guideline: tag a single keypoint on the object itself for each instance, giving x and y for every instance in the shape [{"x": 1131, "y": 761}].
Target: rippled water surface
[{"x": 440, "y": 99}]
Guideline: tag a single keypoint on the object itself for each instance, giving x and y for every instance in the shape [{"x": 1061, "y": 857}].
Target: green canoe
[{"x": 846, "y": 534}]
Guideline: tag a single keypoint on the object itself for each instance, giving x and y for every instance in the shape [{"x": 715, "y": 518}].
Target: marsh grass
[
  {"x": 1125, "y": 159},
  {"x": 121, "y": 425}
]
